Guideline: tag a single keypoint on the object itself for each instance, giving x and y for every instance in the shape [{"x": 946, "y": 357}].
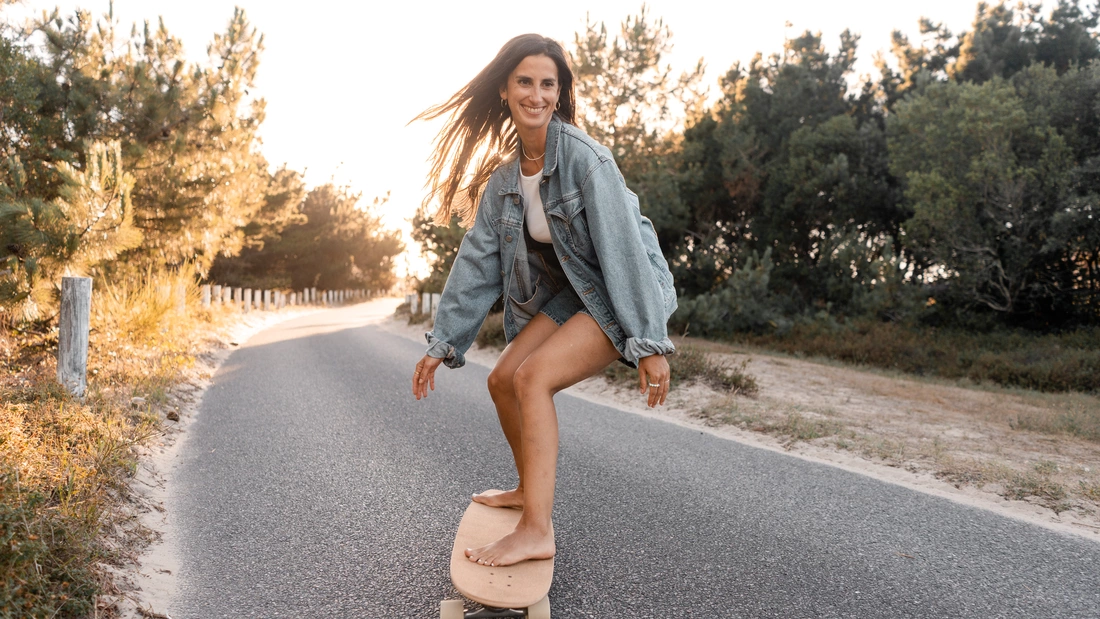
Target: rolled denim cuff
[
  {"x": 442, "y": 350},
  {"x": 635, "y": 348}
]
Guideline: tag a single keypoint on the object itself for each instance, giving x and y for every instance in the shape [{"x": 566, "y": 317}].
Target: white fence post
[
  {"x": 216, "y": 296},
  {"x": 247, "y": 300},
  {"x": 227, "y": 294},
  {"x": 206, "y": 295},
  {"x": 181, "y": 297},
  {"x": 435, "y": 303},
  {"x": 72, "y": 337},
  {"x": 425, "y": 302}
]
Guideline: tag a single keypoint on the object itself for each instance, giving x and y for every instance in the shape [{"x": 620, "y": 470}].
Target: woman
[{"x": 558, "y": 234}]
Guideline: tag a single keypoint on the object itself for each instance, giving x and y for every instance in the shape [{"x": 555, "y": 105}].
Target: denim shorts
[
  {"x": 564, "y": 306},
  {"x": 567, "y": 304}
]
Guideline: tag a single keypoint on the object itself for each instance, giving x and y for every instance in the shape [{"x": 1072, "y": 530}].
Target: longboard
[{"x": 518, "y": 590}]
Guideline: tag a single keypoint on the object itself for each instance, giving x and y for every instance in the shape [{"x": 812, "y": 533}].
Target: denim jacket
[{"x": 608, "y": 250}]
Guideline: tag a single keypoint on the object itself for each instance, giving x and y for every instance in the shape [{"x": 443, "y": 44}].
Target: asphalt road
[{"x": 312, "y": 485}]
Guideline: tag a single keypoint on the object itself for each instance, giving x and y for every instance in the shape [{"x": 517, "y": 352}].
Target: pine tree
[{"x": 87, "y": 225}]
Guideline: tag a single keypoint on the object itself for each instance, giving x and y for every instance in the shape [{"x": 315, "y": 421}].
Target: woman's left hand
[{"x": 654, "y": 375}]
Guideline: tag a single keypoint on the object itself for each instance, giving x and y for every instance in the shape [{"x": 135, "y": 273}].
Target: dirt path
[{"x": 962, "y": 443}]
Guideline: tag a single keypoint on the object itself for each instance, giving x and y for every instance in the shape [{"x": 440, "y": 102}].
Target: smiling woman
[
  {"x": 556, "y": 232},
  {"x": 478, "y": 116}
]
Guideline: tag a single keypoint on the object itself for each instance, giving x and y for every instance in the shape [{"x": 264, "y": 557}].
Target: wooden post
[
  {"x": 216, "y": 294},
  {"x": 206, "y": 295},
  {"x": 227, "y": 294},
  {"x": 414, "y": 307},
  {"x": 72, "y": 337},
  {"x": 425, "y": 302},
  {"x": 247, "y": 300},
  {"x": 435, "y": 303}
]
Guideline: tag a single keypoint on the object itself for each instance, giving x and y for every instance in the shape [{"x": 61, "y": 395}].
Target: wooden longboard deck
[{"x": 515, "y": 586}]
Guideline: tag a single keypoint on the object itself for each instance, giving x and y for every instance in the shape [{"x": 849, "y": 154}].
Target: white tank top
[{"x": 532, "y": 207}]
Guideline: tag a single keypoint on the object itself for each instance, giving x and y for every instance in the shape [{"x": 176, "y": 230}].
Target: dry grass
[{"x": 66, "y": 462}]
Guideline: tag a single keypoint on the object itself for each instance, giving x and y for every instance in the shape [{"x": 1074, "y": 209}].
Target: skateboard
[{"x": 518, "y": 590}]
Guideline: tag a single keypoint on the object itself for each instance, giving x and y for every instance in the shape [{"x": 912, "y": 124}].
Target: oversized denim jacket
[{"x": 608, "y": 250}]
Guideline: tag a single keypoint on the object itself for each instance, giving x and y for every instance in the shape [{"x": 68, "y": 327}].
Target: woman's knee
[
  {"x": 501, "y": 382},
  {"x": 531, "y": 379}
]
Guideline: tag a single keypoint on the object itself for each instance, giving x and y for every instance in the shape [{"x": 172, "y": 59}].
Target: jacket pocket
[
  {"x": 573, "y": 225},
  {"x": 524, "y": 311}
]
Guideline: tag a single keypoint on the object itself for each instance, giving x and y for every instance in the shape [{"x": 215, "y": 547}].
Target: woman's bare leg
[
  {"x": 503, "y": 392},
  {"x": 574, "y": 352}
]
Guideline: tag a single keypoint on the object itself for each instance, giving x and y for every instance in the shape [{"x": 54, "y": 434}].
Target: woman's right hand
[{"x": 424, "y": 376}]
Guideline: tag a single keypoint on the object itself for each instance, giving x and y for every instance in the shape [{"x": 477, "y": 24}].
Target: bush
[
  {"x": 1050, "y": 363},
  {"x": 690, "y": 363},
  {"x": 41, "y": 567},
  {"x": 742, "y": 304}
]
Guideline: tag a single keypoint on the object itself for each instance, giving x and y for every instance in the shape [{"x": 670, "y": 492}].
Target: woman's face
[{"x": 532, "y": 92}]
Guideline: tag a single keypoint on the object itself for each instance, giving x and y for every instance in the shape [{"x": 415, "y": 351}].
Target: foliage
[
  {"x": 87, "y": 224},
  {"x": 439, "y": 244},
  {"x": 1063, "y": 362},
  {"x": 326, "y": 239},
  {"x": 187, "y": 132},
  {"x": 987, "y": 174},
  {"x": 742, "y": 303},
  {"x": 39, "y": 577},
  {"x": 788, "y": 163},
  {"x": 631, "y": 102}
]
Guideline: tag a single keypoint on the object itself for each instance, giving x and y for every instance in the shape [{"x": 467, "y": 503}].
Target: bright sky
[{"x": 342, "y": 79}]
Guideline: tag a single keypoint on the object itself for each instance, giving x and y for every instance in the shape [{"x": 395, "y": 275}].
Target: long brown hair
[{"x": 477, "y": 123}]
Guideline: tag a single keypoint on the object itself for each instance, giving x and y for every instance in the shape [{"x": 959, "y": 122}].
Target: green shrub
[
  {"x": 742, "y": 304},
  {"x": 44, "y": 569}
]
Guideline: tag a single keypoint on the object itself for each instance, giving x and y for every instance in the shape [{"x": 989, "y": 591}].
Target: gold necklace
[{"x": 528, "y": 157}]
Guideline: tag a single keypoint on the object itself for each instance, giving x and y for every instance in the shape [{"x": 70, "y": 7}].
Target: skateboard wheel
[
  {"x": 452, "y": 609},
  {"x": 541, "y": 609}
]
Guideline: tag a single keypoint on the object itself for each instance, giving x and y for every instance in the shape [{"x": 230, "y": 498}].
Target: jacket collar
[{"x": 549, "y": 164}]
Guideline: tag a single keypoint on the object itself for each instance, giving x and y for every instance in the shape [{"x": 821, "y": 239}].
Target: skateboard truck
[{"x": 454, "y": 609}]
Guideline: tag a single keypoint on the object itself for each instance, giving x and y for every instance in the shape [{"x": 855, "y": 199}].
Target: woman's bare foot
[
  {"x": 498, "y": 498},
  {"x": 519, "y": 545}
]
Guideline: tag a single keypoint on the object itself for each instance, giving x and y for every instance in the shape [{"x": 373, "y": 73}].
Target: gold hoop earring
[{"x": 504, "y": 103}]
